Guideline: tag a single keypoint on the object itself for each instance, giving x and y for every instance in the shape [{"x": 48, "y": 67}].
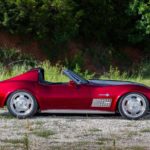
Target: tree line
[{"x": 108, "y": 21}]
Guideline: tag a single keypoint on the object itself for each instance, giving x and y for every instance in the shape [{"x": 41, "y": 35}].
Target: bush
[
  {"x": 106, "y": 21},
  {"x": 55, "y": 22},
  {"x": 41, "y": 18},
  {"x": 13, "y": 62},
  {"x": 98, "y": 20},
  {"x": 144, "y": 69},
  {"x": 10, "y": 57},
  {"x": 115, "y": 74},
  {"x": 139, "y": 10}
]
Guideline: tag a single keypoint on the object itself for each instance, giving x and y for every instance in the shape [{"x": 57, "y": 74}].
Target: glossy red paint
[{"x": 67, "y": 95}]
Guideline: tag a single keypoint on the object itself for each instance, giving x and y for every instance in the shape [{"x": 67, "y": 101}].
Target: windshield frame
[{"x": 75, "y": 77}]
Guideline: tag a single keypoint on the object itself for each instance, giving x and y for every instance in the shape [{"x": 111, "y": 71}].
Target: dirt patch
[
  {"x": 134, "y": 54},
  {"x": 26, "y": 44}
]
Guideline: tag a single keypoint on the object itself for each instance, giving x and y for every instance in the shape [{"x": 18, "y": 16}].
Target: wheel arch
[
  {"x": 25, "y": 90},
  {"x": 126, "y": 93}
]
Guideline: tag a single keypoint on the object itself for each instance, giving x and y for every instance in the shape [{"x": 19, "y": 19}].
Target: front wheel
[
  {"x": 22, "y": 104},
  {"x": 133, "y": 106}
]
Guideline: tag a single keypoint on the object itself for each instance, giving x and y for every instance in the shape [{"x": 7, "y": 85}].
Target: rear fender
[{"x": 4, "y": 102}]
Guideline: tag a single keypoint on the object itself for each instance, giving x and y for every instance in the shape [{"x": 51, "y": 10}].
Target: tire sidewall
[
  {"x": 32, "y": 112},
  {"x": 134, "y": 118}
]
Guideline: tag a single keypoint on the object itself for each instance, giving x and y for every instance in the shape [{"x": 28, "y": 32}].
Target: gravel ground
[{"x": 73, "y": 132}]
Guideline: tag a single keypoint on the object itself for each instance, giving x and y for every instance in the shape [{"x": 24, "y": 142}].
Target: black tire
[
  {"x": 123, "y": 112},
  {"x": 11, "y": 107}
]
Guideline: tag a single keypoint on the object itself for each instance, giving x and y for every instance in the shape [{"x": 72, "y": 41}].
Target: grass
[
  {"x": 24, "y": 141},
  {"x": 39, "y": 123},
  {"x": 115, "y": 74},
  {"x": 6, "y": 116},
  {"x": 95, "y": 130},
  {"x": 54, "y": 74},
  {"x": 14, "y": 62},
  {"x": 13, "y": 141},
  {"x": 102, "y": 140},
  {"x": 85, "y": 145},
  {"x": 43, "y": 133},
  {"x": 28, "y": 125},
  {"x": 137, "y": 148},
  {"x": 132, "y": 133},
  {"x": 146, "y": 130}
]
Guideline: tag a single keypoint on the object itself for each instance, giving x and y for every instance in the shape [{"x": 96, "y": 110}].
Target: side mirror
[{"x": 72, "y": 83}]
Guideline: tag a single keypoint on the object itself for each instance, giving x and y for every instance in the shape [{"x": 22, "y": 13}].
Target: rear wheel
[
  {"x": 133, "y": 106},
  {"x": 22, "y": 104}
]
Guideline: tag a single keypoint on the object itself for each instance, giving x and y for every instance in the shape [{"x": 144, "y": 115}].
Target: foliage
[
  {"x": 11, "y": 57},
  {"x": 13, "y": 60},
  {"x": 140, "y": 10},
  {"x": 102, "y": 20},
  {"x": 115, "y": 74},
  {"x": 76, "y": 60},
  {"x": 41, "y": 18},
  {"x": 11, "y": 66},
  {"x": 54, "y": 74},
  {"x": 62, "y": 20},
  {"x": 144, "y": 69},
  {"x": 56, "y": 22},
  {"x": 86, "y": 74}
]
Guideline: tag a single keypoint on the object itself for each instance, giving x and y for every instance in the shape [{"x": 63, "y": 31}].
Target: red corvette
[{"x": 28, "y": 93}]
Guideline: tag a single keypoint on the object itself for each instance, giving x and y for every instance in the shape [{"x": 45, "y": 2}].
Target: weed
[
  {"x": 146, "y": 130},
  {"x": 132, "y": 133},
  {"x": 103, "y": 139},
  {"x": 130, "y": 125},
  {"x": 6, "y": 116},
  {"x": 13, "y": 141},
  {"x": 44, "y": 133},
  {"x": 95, "y": 130},
  {"x": 26, "y": 142},
  {"x": 137, "y": 148},
  {"x": 16, "y": 142},
  {"x": 28, "y": 125},
  {"x": 54, "y": 74},
  {"x": 39, "y": 123}
]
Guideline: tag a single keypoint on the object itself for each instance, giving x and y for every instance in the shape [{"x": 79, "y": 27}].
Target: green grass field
[{"x": 54, "y": 74}]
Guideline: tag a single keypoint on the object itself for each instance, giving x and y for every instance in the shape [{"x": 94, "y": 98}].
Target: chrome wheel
[
  {"x": 21, "y": 104},
  {"x": 133, "y": 105}
]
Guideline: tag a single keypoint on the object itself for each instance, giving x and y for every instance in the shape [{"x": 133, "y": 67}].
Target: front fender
[{"x": 142, "y": 91}]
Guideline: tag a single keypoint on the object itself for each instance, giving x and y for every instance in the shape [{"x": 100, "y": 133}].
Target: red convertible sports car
[{"x": 28, "y": 93}]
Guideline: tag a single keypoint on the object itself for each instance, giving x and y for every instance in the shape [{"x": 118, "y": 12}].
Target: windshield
[{"x": 75, "y": 77}]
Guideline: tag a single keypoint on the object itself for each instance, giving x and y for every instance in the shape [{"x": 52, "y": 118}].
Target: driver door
[{"x": 65, "y": 96}]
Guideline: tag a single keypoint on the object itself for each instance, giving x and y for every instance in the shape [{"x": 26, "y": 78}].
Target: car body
[{"x": 78, "y": 95}]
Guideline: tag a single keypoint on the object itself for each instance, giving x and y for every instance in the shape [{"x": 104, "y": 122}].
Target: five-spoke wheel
[
  {"x": 22, "y": 104},
  {"x": 133, "y": 106}
]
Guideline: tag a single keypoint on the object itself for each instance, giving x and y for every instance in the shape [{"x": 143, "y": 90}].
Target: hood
[{"x": 113, "y": 82}]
